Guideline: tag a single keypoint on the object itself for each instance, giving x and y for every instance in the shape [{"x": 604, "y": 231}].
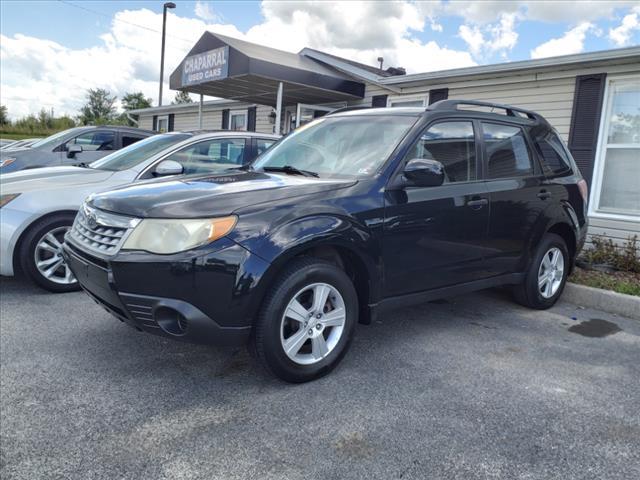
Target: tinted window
[
  {"x": 210, "y": 155},
  {"x": 129, "y": 139},
  {"x": 507, "y": 152},
  {"x": 263, "y": 144},
  {"x": 552, "y": 154},
  {"x": 453, "y": 145},
  {"x": 94, "y": 140},
  {"x": 138, "y": 152}
]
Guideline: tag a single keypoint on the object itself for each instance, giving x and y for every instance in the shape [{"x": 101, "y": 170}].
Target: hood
[
  {"x": 211, "y": 196},
  {"x": 50, "y": 177}
]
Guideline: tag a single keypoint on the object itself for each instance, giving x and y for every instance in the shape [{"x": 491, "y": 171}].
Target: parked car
[
  {"x": 38, "y": 206},
  {"x": 24, "y": 143},
  {"x": 6, "y": 142},
  {"x": 352, "y": 214},
  {"x": 71, "y": 147}
]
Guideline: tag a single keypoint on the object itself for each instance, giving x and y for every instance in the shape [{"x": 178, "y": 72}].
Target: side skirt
[{"x": 400, "y": 301}]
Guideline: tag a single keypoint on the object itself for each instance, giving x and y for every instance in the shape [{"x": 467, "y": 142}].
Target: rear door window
[
  {"x": 128, "y": 139},
  {"x": 263, "y": 144},
  {"x": 506, "y": 150},
  {"x": 552, "y": 154}
]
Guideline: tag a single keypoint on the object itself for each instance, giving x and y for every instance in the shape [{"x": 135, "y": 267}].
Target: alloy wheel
[
  {"x": 48, "y": 257},
  {"x": 551, "y": 272},
  {"x": 312, "y": 323}
]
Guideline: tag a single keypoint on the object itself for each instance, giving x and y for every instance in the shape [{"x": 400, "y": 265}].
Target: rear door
[
  {"x": 435, "y": 236},
  {"x": 518, "y": 194}
]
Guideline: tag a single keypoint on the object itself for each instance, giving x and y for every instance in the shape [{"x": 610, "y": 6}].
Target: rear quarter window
[{"x": 553, "y": 156}]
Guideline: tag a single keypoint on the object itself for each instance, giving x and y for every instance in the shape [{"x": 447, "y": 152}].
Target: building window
[
  {"x": 237, "y": 120},
  {"x": 163, "y": 124},
  {"x": 617, "y": 169},
  {"x": 408, "y": 101}
]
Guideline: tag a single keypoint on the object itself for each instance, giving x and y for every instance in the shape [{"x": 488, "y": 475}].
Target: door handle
[
  {"x": 543, "y": 195},
  {"x": 477, "y": 203}
]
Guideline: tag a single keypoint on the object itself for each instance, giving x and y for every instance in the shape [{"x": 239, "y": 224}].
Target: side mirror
[
  {"x": 168, "y": 167},
  {"x": 424, "y": 173},
  {"x": 73, "y": 149}
]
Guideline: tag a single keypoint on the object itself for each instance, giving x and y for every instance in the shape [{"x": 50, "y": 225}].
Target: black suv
[{"x": 356, "y": 212}]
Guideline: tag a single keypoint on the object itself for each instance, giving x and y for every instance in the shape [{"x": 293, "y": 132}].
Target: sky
[{"x": 51, "y": 52}]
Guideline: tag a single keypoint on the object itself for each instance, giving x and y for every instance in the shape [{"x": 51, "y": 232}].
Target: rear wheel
[
  {"x": 547, "y": 274},
  {"x": 307, "y": 321},
  {"x": 41, "y": 254}
]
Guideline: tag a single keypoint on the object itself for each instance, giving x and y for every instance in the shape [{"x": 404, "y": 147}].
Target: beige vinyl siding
[
  {"x": 369, "y": 92},
  {"x": 263, "y": 124},
  {"x": 146, "y": 122},
  {"x": 619, "y": 231}
]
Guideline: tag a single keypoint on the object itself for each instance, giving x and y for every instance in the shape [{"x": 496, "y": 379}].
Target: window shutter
[
  {"x": 585, "y": 121},
  {"x": 379, "y": 101},
  {"x": 171, "y": 122},
  {"x": 438, "y": 94},
  {"x": 154, "y": 123},
  {"x": 225, "y": 119},
  {"x": 251, "y": 119}
]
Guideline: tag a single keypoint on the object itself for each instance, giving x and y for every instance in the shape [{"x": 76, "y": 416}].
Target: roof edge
[{"x": 613, "y": 54}]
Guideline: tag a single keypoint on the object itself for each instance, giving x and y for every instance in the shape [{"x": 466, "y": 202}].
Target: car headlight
[
  {"x": 7, "y": 161},
  {"x": 6, "y": 198},
  {"x": 177, "y": 235}
]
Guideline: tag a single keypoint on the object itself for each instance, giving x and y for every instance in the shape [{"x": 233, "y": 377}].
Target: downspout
[{"x": 133, "y": 120}]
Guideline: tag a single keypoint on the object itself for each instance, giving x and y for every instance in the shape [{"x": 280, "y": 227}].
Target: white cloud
[
  {"x": 489, "y": 11},
  {"x": 621, "y": 35},
  {"x": 489, "y": 39},
  {"x": 204, "y": 11},
  {"x": 571, "y": 42}
]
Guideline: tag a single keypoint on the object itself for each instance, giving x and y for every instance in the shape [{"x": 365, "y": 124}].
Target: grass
[
  {"x": 20, "y": 136},
  {"x": 621, "y": 282}
]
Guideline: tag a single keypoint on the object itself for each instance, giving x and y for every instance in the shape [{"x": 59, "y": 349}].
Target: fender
[
  {"x": 554, "y": 214},
  {"x": 293, "y": 238}
]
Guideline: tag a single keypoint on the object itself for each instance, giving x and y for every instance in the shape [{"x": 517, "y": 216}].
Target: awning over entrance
[{"x": 228, "y": 68}]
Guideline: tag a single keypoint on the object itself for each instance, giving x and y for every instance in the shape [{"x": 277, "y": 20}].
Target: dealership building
[{"x": 592, "y": 99}]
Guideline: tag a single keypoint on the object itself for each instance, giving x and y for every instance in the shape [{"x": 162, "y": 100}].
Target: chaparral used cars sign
[{"x": 206, "y": 66}]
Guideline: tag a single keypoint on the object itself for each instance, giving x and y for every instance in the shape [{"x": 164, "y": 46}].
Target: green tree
[
  {"x": 135, "y": 101},
  {"x": 181, "y": 97},
  {"x": 132, "y": 101},
  {"x": 4, "y": 115},
  {"x": 99, "y": 108}
]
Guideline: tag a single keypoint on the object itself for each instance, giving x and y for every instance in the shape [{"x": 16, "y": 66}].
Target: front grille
[{"x": 99, "y": 231}]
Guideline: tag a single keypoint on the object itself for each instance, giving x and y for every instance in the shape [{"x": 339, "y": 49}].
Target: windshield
[
  {"x": 349, "y": 146},
  {"x": 138, "y": 152},
  {"x": 55, "y": 139}
]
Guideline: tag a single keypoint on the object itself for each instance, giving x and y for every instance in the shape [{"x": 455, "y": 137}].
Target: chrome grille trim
[{"x": 100, "y": 232}]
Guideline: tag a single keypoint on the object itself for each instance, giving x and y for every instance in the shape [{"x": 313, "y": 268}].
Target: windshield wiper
[
  {"x": 291, "y": 171},
  {"x": 83, "y": 165}
]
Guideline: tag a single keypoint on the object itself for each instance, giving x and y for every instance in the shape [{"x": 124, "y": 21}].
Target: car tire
[
  {"x": 547, "y": 274},
  {"x": 315, "y": 336},
  {"x": 39, "y": 252}
]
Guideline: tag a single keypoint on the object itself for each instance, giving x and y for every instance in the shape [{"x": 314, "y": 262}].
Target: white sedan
[{"x": 37, "y": 207}]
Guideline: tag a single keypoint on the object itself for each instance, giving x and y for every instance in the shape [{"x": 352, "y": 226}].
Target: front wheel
[
  {"x": 547, "y": 274},
  {"x": 307, "y": 321},
  {"x": 41, "y": 254}
]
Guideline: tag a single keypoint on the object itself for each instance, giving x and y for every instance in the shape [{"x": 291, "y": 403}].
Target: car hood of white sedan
[{"x": 51, "y": 177}]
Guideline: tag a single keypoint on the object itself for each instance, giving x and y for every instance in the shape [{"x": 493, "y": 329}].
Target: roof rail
[
  {"x": 349, "y": 109},
  {"x": 509, "y": 110}
]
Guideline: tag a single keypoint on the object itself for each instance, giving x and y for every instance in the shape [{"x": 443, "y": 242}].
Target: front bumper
[
  {"x": 13, "y": 223},
  {"x": 196, "y": 297}
]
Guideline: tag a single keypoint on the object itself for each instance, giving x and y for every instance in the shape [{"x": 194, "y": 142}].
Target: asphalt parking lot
[{"x": 471, "y": 387}]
